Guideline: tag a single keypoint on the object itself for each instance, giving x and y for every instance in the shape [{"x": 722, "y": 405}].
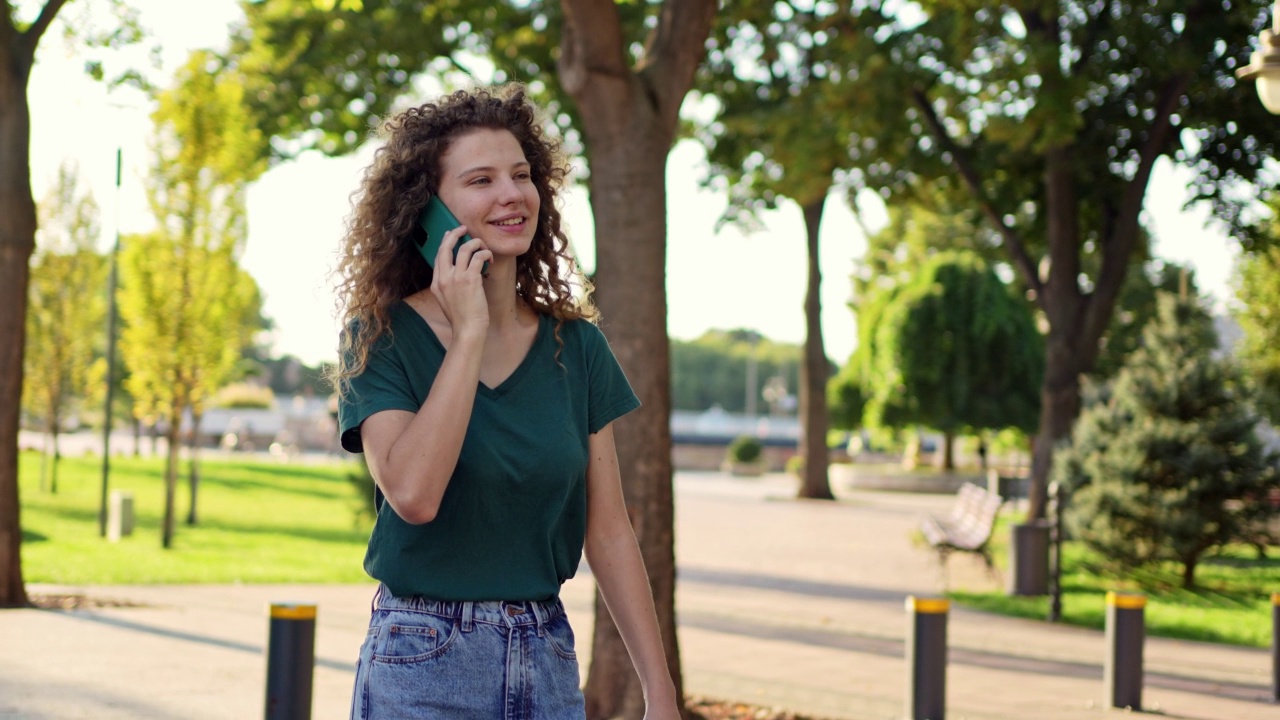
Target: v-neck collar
[{"x": 511, "y": 380}]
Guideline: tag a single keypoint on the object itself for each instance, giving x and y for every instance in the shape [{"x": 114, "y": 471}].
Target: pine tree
[{"x": 1165, "y": 465}]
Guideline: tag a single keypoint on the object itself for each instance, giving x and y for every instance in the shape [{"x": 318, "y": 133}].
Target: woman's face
[{"x": 488, "y": 184}]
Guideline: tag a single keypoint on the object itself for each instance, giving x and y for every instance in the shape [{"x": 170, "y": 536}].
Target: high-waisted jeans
[{"x": 467, "y": 661}]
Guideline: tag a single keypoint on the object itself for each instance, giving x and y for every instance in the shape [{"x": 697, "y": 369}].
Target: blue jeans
[{"x": 467, "y": 660}]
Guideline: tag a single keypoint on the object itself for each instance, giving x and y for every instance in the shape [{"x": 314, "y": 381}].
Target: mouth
[{"x": 509, "y": 222}]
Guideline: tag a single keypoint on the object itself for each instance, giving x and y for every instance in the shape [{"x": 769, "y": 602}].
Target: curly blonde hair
[{"x": 379, "y": 263}]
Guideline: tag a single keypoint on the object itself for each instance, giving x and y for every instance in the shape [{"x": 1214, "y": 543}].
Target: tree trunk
[
  {"x": 1189, "y": 572},
  {"x": 815, "y": 370},
  {"x": 53, "y": 467},
  {"x": 629, "y": 121},
  {"x": 174, "y": 437},
  {"x": 946, "y": 454},
  {"x": 630, "y": 281},
  {"x": 45, "y": 454},
  {"x": 194, "y": 465},
  {"x": 1064, "y": 307},
  {"x": 17, "y": 241},
  {"x": 137, "y": 438}
]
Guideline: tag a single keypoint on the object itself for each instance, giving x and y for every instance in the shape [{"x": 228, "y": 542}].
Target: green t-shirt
[{"x": 512, "y": 522}]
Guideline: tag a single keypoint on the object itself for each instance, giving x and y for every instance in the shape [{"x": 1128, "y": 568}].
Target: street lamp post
[
  {"x": 111, "y": 357},
  {"x": 1264, "y": 65}
]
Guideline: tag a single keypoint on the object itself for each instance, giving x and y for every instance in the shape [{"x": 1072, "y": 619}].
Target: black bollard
[
  {"x": 291, "y": 660},
  {"x": 926, "y": 648},
  {"x": 1126, "y": 635},
  {"x": 1275, "y": 647}
]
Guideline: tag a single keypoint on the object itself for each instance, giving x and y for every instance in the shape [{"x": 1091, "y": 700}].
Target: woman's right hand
[{"x": 459, "y": 287}]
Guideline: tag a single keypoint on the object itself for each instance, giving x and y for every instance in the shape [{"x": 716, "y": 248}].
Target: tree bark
[
  {"x": 629, "y": 121},
  {"x": 53, "y": 467},
  {"x": 194, "y": 466},
  {"x": 815, "y": 370},
  {"x": 174, "y": 437},
  {"x": 17, "y": 241},
  {"x": 1064, "y": 306},
  {"x": 946, "y": 454},
  {"x": 630, "y": 279}
]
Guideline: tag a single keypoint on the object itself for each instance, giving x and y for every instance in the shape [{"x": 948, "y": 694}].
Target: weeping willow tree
[{"x": 952, "y": 349}]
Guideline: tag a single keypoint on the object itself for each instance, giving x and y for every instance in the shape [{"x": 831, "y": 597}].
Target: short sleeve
[
  {"x": 382, "y": 385},
  {"x": 609, "y": 394}
]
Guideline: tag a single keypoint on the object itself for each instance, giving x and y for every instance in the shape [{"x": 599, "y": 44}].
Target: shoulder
[
  {"x": 581, "y": 336},
  {"x": 579, "y": 329}
]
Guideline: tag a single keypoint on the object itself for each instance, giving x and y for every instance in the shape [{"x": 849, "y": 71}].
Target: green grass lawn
[
  {"x": 259, "y": 522},
  {"x": 1232, "y": 603},
  {"x": 265, "y": 522}
]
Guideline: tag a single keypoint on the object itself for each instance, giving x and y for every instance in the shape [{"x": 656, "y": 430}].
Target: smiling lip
[{"x": 507, "y": 222}]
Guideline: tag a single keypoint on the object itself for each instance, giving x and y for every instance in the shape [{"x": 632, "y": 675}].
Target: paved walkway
[{"x": 783, "y": 603}]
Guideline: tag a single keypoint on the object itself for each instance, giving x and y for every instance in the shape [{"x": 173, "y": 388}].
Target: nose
[{"x": 509, "y": 192}]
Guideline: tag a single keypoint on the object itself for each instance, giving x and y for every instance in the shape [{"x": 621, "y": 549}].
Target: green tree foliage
[
  {"x": 1166, "y": 464},
  {"x": 617, "y": 74},
  {"x": 1136, "y": 307},
  {"x": 713, "y": 370},
  {"x": 953, "y": 350},
  {"x": 774, "y": 68},
  {"x": 1259, "y": 317},
  {"x": 187, "y": 307},
  {"x": 66, "y": 314},
  {"x": 917, "y": 231},
  {"x": 1050, "y": 117}
]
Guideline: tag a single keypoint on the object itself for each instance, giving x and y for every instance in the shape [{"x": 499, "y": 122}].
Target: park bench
[{"x": 968, "y": 526}]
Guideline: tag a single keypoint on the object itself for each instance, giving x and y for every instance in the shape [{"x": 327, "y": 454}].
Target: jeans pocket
[
  {"x": 414, "y": 637},
  {"x": 559, "y": 635}
]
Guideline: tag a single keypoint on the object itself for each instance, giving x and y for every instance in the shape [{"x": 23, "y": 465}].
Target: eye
[
  {"x": 481, "y": 180},
  {"x": 524, "y": 175}
]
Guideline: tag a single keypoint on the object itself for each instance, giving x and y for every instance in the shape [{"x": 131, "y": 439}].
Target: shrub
[{"x": 745, "y": 449}]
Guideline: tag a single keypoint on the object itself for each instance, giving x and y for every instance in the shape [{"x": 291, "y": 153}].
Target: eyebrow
[{"x": 488, "y": 168}]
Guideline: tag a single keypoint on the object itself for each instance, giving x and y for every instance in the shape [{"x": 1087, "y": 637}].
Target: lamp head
[{"x": 1264, "y": 69}]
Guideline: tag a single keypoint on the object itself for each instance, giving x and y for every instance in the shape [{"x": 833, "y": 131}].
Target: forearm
[
  {"x": 619, "y": 570},
  {"x": 414, "y": 470}
]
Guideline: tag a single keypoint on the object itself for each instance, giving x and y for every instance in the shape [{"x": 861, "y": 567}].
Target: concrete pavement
[{"x": 780, "y": 603}]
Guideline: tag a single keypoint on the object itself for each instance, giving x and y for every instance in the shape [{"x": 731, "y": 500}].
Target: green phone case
[{"x": 436, "y": 220}]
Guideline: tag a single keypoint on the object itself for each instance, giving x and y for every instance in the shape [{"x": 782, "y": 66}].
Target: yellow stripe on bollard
[
  {"x": 927, "y": 605},
  {"x": 1126, "y": 601},
  {"x": 293, "y": 612},
  {"x": 1275, "y": 598}
]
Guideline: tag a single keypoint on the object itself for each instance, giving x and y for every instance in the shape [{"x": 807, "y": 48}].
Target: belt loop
[
  {"x": 540, "y": 614},
  {"x": 377, "y": 599},
  {"x": 468, "y": 613}
]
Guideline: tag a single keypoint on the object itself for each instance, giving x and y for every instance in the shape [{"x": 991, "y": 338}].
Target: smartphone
[{"x": 436, "y": 220}]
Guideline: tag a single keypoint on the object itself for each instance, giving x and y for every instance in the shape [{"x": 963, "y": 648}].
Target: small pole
[
  {"x": 1055, "y": 568},
  {"x": 291, "y": 660},
  {"x": 111, "y": 357},
  {"x": 1126, "y": 635},
  {"x": 926, "y": 648}
]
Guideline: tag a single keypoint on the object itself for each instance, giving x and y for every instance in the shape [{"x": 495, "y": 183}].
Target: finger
[
  {"x": 451, "y": 238},
  {"x": 478, "y": 260},
  {"x": 467, "y": 250}
]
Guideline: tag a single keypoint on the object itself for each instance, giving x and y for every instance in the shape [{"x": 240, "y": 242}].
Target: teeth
[{"x": 512, "y": 221}]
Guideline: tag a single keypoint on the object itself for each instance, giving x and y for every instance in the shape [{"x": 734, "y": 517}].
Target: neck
[{"x": 500, "y": 292}]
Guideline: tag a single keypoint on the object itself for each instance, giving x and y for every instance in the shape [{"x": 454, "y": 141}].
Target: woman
[{"x": 482, "y": 397}]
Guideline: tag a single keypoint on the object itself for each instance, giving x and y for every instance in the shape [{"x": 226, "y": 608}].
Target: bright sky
[{"x": 296, "y": 212}]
